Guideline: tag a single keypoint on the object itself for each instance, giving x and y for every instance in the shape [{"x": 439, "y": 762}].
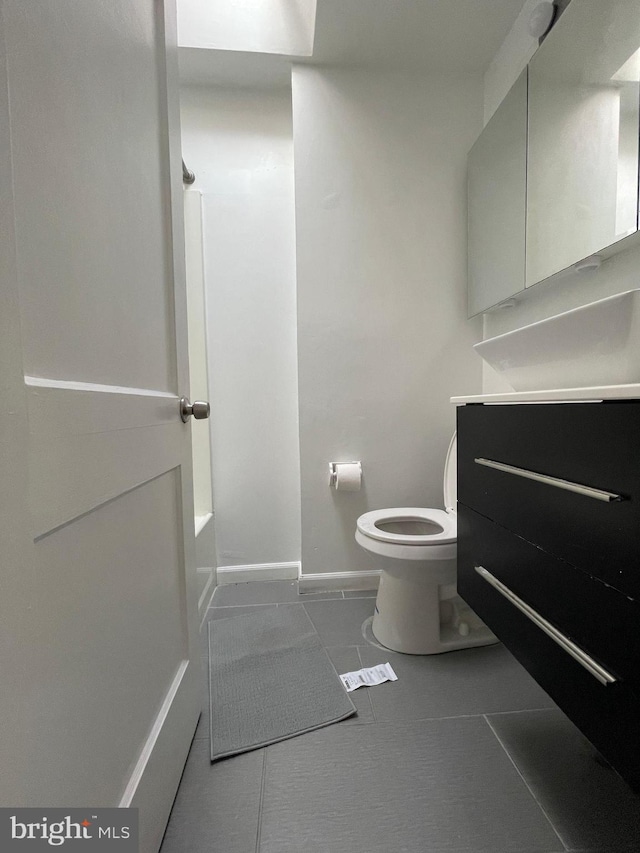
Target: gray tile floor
[{"x": 463, "y": 754}]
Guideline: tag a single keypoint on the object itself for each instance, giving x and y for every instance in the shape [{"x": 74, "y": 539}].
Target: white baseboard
[
  {"x": 327, "y": 581},
  {"x": 258, "y": 572}
]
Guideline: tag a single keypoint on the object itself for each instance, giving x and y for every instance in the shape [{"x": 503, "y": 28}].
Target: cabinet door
[
  {"x": 582, "y": 178},
  {"x": 584, "y": 444},
  {"x": 607, "y": 713},
  {"x": 496, "y": 191}
]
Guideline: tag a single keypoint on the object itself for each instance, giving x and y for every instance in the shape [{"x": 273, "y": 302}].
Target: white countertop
[{"x": 555, "y": 395}]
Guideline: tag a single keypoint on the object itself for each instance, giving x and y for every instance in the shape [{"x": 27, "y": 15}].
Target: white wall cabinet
[
  {"x": 582, "y": 167},
  {"x": 496, "y": 183},
  {"x": 580, "y": 150}
]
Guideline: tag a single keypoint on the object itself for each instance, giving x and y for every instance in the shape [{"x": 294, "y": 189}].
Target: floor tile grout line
[
  {"x": 301, "y": 600},
  {"x": 523, "y": 711},
  {"x": 402, "y": 720},
  {"x": 410, "y": 720},
  {"x": 255, "y": 604},
  {"x": 396, "y": 721},
  {"x": 261, "y": 800},
  {"x": 528, "y": 787},
  {"x": 313, "y": 623}
]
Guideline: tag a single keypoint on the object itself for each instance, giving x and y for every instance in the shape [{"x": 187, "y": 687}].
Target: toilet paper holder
[{"x": 333, "y": 470}]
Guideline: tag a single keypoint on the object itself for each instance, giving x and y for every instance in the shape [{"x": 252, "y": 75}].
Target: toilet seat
[{"x": 369, "y": 525}]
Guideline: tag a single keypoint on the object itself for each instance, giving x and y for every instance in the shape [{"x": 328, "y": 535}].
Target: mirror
[
  {"x": 496, "y": 184},
  {"x": 582, "y": 170}
]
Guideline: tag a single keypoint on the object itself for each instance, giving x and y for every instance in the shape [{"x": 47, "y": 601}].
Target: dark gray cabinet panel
[
  {"x": 534, "y": 560},
  {"x": 591, "y": 444}
]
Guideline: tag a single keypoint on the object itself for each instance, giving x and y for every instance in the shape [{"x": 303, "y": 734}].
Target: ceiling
[
  {"x": 423, "y": 36},
  {"x": 230, "y": 68},
  {"x": 418, "y": 35}
]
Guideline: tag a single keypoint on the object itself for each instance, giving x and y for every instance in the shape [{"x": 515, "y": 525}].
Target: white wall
[
  {"x": 383, "y": 338},
  {"x": 264, "y": 26},
  {"x": 239, "y": 144},
  {"x": 616, "y": 275}
]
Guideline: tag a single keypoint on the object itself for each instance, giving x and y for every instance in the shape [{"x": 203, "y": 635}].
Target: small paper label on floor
[{"x": 368, "y": 677}]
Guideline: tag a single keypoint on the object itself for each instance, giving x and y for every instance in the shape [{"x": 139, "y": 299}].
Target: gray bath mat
[{"x": 269, "y": 679}]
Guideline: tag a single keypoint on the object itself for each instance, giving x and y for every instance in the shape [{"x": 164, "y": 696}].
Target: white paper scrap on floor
[{"x": 368, "y": 677}]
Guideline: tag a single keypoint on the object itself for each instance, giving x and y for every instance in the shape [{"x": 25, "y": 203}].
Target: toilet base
[{"x": 418, "y": 611}]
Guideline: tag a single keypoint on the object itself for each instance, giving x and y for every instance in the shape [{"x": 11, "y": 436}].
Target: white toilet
[{"x": 418, "y": 610}]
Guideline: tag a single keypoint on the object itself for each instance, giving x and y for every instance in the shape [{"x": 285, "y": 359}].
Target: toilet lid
[{"x": 451, "y": 477}]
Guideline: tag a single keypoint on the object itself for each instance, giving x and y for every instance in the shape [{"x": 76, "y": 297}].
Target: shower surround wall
[
  {"x": 383, "y": 339},
  {"x": 239, "y": 144}
]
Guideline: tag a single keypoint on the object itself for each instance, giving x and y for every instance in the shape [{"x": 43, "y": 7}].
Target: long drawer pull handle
[
  {"x": 587, "y": 491},
  {"x": 565, "y": 643}
]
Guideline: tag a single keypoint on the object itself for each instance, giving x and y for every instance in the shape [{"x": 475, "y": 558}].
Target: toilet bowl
[{"x": 418, "y": 610}]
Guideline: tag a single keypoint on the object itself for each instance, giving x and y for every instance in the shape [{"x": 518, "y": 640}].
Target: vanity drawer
[
  {"x": 576, "y": 637},
  {"x": 600, "y": 620},
  {"x": 596, "y": 445}
]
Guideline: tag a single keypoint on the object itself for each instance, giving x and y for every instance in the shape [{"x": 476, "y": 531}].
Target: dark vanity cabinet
[{"x": 549, "y": 554}]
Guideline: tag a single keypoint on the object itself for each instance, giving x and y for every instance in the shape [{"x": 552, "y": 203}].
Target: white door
[{"x": 98, "y": 598}]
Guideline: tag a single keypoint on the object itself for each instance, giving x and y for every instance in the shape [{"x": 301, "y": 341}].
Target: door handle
[
  {"x": 199, "y": 409},
  {"x": 578, "y": 654},
  {"x": 578, "y": 488}
]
